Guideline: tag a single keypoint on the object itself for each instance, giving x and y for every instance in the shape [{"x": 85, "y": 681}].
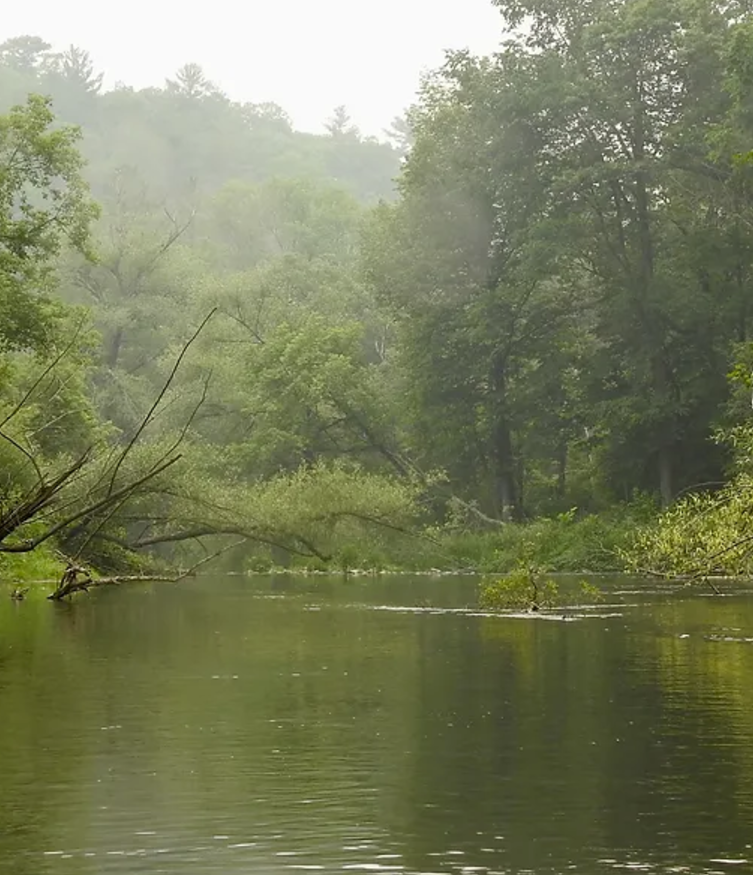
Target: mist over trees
[
  {"x": 570, "y": 253},
  {"x": 530, "y": 301},
  {"x": 187, "y": 137}
]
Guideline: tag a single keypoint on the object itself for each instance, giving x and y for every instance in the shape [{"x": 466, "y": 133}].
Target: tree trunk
[
  {"x": 502, "y": 455},
  {"x": 666, "y": 484},
  {"x": 661, "y": 370},
  {"x": 561, "y": 462},
  {"x": 113, "y": 353}
]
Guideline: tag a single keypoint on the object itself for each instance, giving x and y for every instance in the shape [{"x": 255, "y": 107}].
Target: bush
[
  {"x": 704, "y": 534},
  {"x": 701, "y": 535}
]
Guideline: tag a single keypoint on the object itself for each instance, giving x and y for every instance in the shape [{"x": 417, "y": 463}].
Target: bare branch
[
  {"x": 53, "y": 364},
  {"x": 248, "y": 534},
  {"x": 172, "y": 238},
  {"x": 92, "y": 509},
  {"x": 30, "y": 507},
  {"x": 150, "y": 414},
  {"x": 25, "y": 452}
]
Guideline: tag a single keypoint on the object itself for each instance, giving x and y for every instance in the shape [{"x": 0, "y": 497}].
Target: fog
[{"x": 307, "y": 57}]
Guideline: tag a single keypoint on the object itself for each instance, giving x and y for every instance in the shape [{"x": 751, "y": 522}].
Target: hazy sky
[{"x": 306, "y": 55}]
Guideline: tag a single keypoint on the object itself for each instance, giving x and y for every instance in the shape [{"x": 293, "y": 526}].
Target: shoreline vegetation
[
  {"x": 564, "y": 545},
  {"x": 544, "y": 549},
  {"x": 511, "y": 337}
]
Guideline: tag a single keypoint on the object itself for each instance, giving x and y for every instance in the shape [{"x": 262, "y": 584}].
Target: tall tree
[
  {"x": 76, "y": 68},
  {"x": 340, "y": 125},
  {"x": 191, "y": 82},
  {"x": 44, "y": 205},
  {"x": 27, "y": 54},
  {"x": 551, "y": 182}
]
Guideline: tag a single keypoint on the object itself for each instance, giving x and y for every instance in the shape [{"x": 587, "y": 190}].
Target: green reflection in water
[{"x": 255, "y": 726}]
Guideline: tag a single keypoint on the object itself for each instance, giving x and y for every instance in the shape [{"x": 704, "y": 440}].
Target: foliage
[
  {"x": 187, "y": 137},
  {"x": 705, "y": 533},
  {"x": 568, "y": 542},
  {"x": 313, "y": 514},
  {"x": 526, "y": 587},
  {"x": 523, "y": 588},
  {"x": 41, "y": 565},
  {"x": 556, "y": 253},
  {"x": 43, "y": 204}
]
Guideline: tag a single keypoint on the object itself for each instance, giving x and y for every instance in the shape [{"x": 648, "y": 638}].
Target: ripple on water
[
  {"x": 237, "y": 735},
  {"x": 582, "y": 612}
]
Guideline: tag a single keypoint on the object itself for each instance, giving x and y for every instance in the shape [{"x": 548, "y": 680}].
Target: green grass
[
  {"x": 38, "y": 569},
  {"x": 39, "y": 565}
]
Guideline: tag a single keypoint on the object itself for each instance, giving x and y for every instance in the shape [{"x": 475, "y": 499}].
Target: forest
[{"x": 522, "y": 316}]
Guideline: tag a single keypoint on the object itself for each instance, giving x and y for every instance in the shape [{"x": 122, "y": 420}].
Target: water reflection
[{"x": 298, "y": 724}]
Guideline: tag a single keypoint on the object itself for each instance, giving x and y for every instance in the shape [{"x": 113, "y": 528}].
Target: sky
[{"x": 307, "y": 55}]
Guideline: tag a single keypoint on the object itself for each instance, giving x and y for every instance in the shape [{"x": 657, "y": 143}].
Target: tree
[
  {"x": 312, "y": 395},
  {"x": 253, "y": 223},
  {"x": 44, "y": 205},
  {"x": 459, "y": 261},
  {"x": 563, "y": 235},
  {"x": 187, "y": 136},
  {"x": 400, "y": 133},
  {"x": 191, "y": 82},
  {"x": 269, "y": 115},
  {"x": 340, "y": 125},
  {"x": 74, "y": 497},
  {"x": 616, "y": 101},
  {"x": 75, "y": 67},
  {"x": 26, "y": 54}
]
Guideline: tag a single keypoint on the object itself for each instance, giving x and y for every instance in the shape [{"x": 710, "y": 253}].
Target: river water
[{"x": 289, "y": 725}]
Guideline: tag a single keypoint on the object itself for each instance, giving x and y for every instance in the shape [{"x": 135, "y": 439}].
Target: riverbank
[
  {"x": 567, "y": 543},
  {"x": 39, "y": 566}
]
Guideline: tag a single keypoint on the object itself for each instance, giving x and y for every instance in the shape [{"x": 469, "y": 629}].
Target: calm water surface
[{"x": 282, "y": 725}]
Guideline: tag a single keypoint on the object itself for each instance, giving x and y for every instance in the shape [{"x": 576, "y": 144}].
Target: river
[{"x": 282, "y": 725}]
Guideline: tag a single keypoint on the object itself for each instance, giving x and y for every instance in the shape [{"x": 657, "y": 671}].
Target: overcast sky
[{"x": 307, "y": 55}]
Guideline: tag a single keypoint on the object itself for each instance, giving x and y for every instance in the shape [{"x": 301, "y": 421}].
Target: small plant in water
[
  {"x": 524, "y": 588},
  {"x": 527, "y": 586}
]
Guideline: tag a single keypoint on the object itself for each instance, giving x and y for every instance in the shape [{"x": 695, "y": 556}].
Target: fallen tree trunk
[{"x": 77, "y": 579}]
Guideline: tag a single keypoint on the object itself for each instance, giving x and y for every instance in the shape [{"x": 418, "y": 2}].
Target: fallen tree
[
  {"x": 85, "y": 492},
  {"x": 77, "y": 578}
]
